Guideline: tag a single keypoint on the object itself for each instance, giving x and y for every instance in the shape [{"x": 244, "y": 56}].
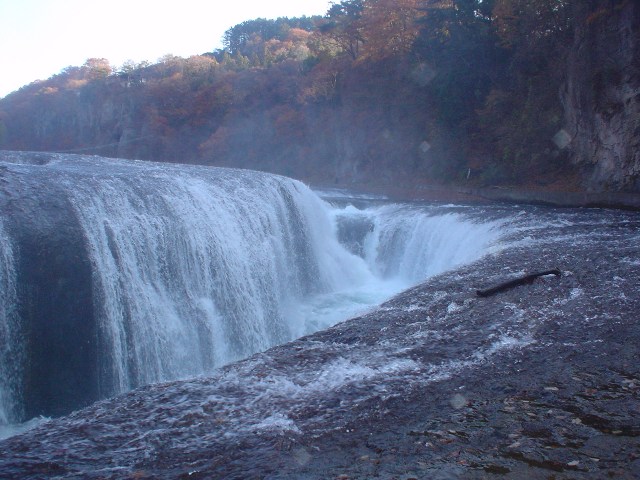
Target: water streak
[{"x": 11, "y": 350}]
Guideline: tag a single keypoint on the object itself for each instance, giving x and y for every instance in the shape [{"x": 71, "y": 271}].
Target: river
[{"x": 436, "y": 382}]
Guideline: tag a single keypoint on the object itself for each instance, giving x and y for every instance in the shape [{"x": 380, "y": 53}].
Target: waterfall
[
  {"x": 408, "y": 243},
  {"x": 195, "y": 272},
  {"x": 127, "y": 273},
  {"x": 414, "y": 244}
]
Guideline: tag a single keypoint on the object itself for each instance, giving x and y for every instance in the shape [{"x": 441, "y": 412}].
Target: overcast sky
[{"x": 38, "y": 38}]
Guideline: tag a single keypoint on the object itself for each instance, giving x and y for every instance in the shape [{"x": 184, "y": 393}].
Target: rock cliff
[{"x": 601, "y": 96}]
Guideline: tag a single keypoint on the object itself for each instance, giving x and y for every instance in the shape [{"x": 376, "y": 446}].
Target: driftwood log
[{"x": 517, "y": 281}]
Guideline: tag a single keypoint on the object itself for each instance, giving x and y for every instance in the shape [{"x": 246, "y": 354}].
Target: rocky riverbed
[{"x": 540, "y": 381}]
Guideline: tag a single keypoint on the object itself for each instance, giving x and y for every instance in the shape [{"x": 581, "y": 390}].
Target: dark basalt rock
[{"x": 56, "y": 307}]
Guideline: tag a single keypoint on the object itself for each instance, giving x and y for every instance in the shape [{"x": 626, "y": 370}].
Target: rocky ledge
[{"x": 540, "y": 381}]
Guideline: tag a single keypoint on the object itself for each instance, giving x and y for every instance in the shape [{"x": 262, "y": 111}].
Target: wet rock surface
[{"x": 540, "y": 381}]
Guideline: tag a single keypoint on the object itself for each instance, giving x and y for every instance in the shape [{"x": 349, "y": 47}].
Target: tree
[
  {"x": 96, "y": 68},
  {"x": 524, "y": 24},
  {"x": 390, "y": 27},
  {"x": 343, "y": 25},
  {"x": 237, "y": 38},
  {"x": 523, "y": 110},
  {"x": 457, "y": 46}
]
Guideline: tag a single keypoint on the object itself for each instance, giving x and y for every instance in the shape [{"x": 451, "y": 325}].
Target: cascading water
[
  {"x": 401, "y": 245},
  {"x": 193, "y": 274},
  {"x": 413, "y": 243},
  {"x": 188, "y": 268}
]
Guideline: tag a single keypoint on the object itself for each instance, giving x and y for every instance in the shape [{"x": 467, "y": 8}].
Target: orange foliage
[
  {"x": 49, "y": 90},
  {"x": 75, "y": 83},
  {"x": 391, "y": 27},
  {"x": 298, "y": 35},
  {"x": 95, "y": 68}
]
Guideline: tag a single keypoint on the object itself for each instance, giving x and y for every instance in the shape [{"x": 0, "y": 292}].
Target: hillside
[{"x": 540, "y": 94}]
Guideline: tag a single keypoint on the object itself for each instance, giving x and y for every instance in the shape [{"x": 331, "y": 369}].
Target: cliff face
[{"x": 601, "y": 97}]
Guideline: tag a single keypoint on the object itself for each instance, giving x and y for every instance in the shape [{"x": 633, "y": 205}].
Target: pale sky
[{"x": 39, "y": 38}]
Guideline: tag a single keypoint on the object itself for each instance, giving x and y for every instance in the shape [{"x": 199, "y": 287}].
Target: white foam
[
  {"x": 278, "y": 422},
  {"x": 9, "y": 430},
  {"x": 576, "y": 293},
  {"x": 211, "y": 273}
]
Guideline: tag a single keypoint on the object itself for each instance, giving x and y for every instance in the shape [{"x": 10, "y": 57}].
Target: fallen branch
[{"x": 517, "y": 281}]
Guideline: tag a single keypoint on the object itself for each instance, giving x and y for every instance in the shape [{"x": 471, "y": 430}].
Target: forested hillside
[{"x": 536, "y": 93}]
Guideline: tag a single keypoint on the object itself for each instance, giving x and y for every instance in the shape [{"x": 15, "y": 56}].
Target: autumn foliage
[{"x": 377, "y": 91}]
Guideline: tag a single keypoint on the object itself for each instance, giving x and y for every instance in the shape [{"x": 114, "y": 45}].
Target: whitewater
[{"x": 127, "y": 273}]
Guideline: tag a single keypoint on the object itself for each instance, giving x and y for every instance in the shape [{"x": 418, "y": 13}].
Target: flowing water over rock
[
  {"x": 121, "y": 273},
  {"x": 539, "y": 381}
]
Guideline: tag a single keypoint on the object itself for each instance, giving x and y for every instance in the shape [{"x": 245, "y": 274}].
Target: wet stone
[{"x": 520, "y": 385}]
